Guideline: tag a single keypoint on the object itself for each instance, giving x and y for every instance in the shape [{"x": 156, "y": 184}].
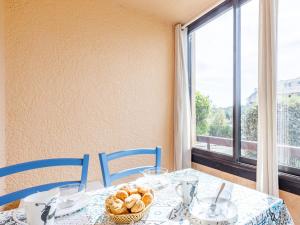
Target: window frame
[{"x": 289, "y": 178}]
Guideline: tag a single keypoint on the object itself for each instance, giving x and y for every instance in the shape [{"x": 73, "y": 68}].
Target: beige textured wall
[
  {"x": 292, "y": 201},
  {"x": 85, "y": 77},
  {"x": 2, "y": 95}
]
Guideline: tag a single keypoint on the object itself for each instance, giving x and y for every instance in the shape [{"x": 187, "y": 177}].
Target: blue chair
[
  {"x": 5, "y": 171},
  {"x": 105, "y": 158}
]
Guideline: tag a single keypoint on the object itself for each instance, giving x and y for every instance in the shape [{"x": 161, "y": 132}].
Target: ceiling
[{"x": 173, "y": 11}]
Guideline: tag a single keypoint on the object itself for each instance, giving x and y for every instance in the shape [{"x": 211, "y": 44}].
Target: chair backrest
[
  {"x": 104, "y": 158},
  {"x": 5, "y": 171}
]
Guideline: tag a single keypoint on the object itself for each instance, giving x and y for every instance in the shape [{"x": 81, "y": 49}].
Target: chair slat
[
  {"x": 84, "y": 172},
  {"x": 105, "y": 169},
  {"x": 105, "y": 158},
  {"x": 120, "y": 154},
  {"x": 21, "y": 167}
]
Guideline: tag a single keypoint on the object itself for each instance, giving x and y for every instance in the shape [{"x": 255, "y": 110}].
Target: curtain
[
  {"x": 182, "y": 111},
  {"x": 267, "y": 164}
]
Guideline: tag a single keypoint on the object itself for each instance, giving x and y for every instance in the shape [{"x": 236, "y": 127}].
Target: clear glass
[
  {"x": 212, "y": 65},
  {"x": 156, "y": 178},
  {"x": 69, "y": 194},
  {"x": 155, "y": 171},
  {"x": 288, "y": 83},
  {"x": 249, "y": 78}
]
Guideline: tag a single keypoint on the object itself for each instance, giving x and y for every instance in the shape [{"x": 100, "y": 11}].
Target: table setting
[{"x": 182, "y": 197}]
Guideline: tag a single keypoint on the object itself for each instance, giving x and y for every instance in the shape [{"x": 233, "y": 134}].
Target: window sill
[{"x": 287, "y": 182}]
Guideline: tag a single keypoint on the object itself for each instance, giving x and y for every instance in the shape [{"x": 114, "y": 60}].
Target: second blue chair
[{"x": 105, "y": 158}]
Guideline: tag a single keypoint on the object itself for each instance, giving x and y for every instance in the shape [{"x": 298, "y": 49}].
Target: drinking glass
[
  {"x": 156, "y": 177},
  {"x": 69, "y": 194}
]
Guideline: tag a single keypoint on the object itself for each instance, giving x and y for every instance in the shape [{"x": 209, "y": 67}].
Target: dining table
[{"x": 253, "y": 207}]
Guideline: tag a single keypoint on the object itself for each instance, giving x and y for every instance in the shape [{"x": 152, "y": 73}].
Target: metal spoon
[{"x": 214, "y": 204}]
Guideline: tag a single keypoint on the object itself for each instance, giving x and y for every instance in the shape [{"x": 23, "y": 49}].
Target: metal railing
[{"x": 251, "y": 146}]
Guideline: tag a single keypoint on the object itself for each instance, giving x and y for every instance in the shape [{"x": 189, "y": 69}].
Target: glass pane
[
  {"x": 249, "y": 78},
  {"x": 288, "y": 86},
  {"x": 213, "y": 68}
]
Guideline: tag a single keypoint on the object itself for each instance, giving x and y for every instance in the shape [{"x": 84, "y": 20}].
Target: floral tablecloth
[{"x": 254, "y": 208}]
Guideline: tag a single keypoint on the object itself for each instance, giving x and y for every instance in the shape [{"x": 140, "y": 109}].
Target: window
[
  {"x": 217, "y": 82},
  {"x": 249, "y": 78},
  {"x": 213, "y": 84},
  {"x": 288, "y": 90},
  {"x": 223, "y": 65}
]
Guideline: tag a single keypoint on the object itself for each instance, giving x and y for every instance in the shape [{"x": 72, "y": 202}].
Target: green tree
[
  {"x": 249, "y": 123},
  {"x": 203, "y": 106},
  {"x": 288, "y": 121},
  {"x": 219, "y": 125},
  {"x": 288, "y": 115}
]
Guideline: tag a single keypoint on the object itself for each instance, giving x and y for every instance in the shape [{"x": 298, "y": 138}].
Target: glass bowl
[{"x": 156, "y": 178}]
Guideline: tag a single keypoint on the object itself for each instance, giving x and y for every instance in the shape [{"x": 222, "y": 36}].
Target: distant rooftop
[{"x": 285, "y": 87}]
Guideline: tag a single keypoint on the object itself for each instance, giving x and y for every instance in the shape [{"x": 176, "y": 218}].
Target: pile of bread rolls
[{"x": 129, "y": 200}]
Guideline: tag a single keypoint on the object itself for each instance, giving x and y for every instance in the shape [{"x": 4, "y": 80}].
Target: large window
[
  {"x": 288, "y": 86},
  {"x": 213, "y": 83},
  {"x": 224, "y": 73},
  {"x": 225, "y": 66},
  {"x": 249, "y": 78}
]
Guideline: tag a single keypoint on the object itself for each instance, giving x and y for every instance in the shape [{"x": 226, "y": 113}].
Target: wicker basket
[{"x": 130, "y": 217}]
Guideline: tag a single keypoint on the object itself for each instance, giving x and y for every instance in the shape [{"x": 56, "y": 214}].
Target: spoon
[{"x": 214, "y": 204}]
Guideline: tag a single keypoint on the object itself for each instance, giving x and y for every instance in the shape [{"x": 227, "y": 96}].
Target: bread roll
[
  {"x": 109, "y": 201},
  {"x": 121, "y": 194},
  {"x": 125, "y": 187},
  {"x": 118, "y": 207},
  {"x": 143, "y": 190},
  {"x": 130, "y": 201},
  {"x": 118, "y": 211},
  {"x": 133, "y": 191},
  {"x": 138, "y": 206},
  {"x": 147, "y": 198},
  {"x": 136, "y": 196}
]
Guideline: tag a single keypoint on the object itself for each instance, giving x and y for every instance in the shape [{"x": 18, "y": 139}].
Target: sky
[{"x": 214, "y": 51}]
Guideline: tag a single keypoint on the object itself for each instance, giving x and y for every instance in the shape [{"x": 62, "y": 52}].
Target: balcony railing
[{"x": 251, "y": 146}]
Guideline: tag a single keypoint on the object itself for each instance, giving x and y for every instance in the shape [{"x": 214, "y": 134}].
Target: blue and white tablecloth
[{"x": 254, "y": 208}]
